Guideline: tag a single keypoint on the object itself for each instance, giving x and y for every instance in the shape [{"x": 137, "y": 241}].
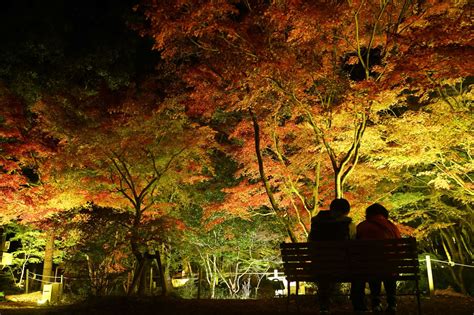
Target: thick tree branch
[{"x": 261, "y": 170}]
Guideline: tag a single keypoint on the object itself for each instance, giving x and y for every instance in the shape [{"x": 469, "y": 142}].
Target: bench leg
[
  {"x": 288, "y": 299},
  {"x": 418, "y": 296},
  {"x": 287, "y": 296},
  {"x": 296, "y": 297}
]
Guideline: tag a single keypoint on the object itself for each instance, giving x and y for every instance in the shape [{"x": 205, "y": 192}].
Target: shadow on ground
[{"x": 438, "y": 305}]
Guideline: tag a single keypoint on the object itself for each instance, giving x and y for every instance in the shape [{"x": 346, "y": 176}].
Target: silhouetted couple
[{"x": 336, "y": 225}]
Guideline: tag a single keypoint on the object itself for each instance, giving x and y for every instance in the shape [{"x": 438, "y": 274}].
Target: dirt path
[{"x": 438, "y": 305}]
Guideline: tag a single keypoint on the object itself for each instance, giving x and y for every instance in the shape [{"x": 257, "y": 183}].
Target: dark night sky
[
  {"x": 44, "y": 42},
  {"x": 80, "y": 22}
]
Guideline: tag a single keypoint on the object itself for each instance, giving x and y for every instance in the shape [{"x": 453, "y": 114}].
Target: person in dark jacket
[
  {"x": 332, "y": 225},
  {"x": 375, "y": 227}
]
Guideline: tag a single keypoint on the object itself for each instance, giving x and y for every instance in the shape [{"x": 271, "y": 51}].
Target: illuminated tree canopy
[{"x": 185, "y": 122}]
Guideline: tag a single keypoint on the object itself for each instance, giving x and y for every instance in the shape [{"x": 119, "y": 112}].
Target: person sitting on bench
[
  {"x": 332, "y": 225},
  {"x": 376, "y": 226}
]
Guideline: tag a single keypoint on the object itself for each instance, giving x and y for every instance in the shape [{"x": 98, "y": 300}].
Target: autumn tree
[
  {"x": 97, "y": 254},
  {"x": 295, "y": 68},
  {"x": 421, "y": 144},
  {"x": 315, "y": 100},
  {"x": 54, "y": 56},
  {"x": 24, "y": 148},
  {"x": 424, "y": 173},
  {"x": 133, "y": 155},
  {"x": 232, "y": 252}
]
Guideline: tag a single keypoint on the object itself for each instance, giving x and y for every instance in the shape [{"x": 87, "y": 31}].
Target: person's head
[
  {"x": 375, "y": 209},
  {"x": 340, "y": 206}
]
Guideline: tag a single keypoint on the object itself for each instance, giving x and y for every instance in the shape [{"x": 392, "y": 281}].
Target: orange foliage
[{"x": 289, "y": 60}]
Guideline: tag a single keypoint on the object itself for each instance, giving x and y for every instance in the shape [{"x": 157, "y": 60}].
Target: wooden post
[
  {"x": 151, "y": 280},
  {"x": 27, "y": 282},
  {"x": 430, "y": 274},
  {"x": 61, "y": 288}
]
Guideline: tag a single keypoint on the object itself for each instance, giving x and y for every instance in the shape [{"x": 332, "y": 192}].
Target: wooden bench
[{"x": 346, "y": 261}]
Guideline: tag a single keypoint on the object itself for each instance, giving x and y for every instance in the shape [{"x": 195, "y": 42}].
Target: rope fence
[
  {"x": 30, "y": 276},
  {"x": 40, "y": 277},
  {"x": 35, "y": 276},
  {"x": 429, "y": 270},
  {"x": 450, "y": 263},
  {"x": 44, "y": 280}
]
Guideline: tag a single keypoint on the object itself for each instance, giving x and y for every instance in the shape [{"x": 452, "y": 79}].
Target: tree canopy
[{"x": 185, "y": 118}]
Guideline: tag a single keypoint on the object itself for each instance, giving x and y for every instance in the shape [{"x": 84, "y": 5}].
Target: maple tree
[
  {"x": 50, "y": 59},
  {"x": 22, "y": 149},
  {"x": 97, "y": 256},
  {"x": 99, "y": 141},
  {"x": 31, "y": 250},
  {"x": 139, "y": 162},
  {"x": 294, "y": 67},
  {"x": 428, "y": 172},
  {"x": 233, "y": 253}
]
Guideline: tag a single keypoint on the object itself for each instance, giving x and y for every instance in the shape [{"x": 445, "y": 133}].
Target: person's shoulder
[
  {"x": 363, "y": 223},
  {"x": 344, "y": 218},
  {"x": 322, "y": 215}
]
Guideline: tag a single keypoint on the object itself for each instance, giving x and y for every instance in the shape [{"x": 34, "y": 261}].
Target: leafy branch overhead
[{"x": 200, "y": 119}]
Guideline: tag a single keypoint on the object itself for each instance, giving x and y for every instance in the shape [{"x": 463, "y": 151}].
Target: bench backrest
[{"x": 344, "y": 261}]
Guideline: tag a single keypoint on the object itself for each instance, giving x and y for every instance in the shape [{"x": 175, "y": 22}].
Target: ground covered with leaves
[{"x": 443, "y": 305}]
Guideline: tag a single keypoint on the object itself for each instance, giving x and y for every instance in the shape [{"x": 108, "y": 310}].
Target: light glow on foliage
[
  {"x": 66, "y": 200},
  {"x": 257, "y": 114}
]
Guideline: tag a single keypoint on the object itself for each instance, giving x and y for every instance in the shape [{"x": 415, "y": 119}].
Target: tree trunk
[
  {"x": 264, "y": 179},
  {"x": 3, "y": 237},
  {"x": 164, "y": 286},
  {"x": 165, "y": 269},
  {"x": 338, "y": 183},
  {"x": 344, "y": 166},
  {"x": 140, "y": 269},
  {"x": 315, "y": 197},
  {"x": 199, "y": 283},
  {"x": 142, "y": 283},
  {"x": 452, "y": 253},
  {"x": 134, "y": 245},
  {"x": 137, "y": 274},
  {"x": 48, "y": 259}
]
